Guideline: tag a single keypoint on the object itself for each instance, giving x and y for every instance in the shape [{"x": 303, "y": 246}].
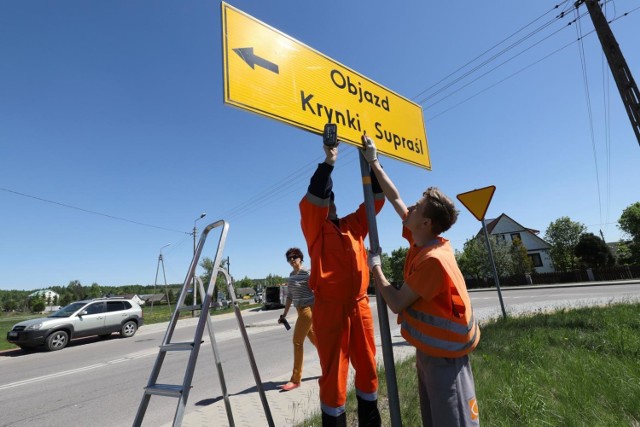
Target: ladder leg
[
  {"x": 252, "y": 360},
  {"x": 216, "y": 356}
]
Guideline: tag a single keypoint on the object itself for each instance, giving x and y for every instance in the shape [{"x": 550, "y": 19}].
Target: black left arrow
[{"x": 246, "y": 53}]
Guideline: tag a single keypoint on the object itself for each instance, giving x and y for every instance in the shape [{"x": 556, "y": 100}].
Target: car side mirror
[{"x": 83, "y": 313}]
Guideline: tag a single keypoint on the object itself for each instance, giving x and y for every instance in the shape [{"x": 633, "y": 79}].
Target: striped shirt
[{"x": 298, "y": 289}]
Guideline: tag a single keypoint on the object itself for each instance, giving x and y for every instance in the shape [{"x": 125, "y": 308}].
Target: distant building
[
  {"x": 47, "y": 295},
  {"x": 507, "y": 230},
  {"x": 153, "y": 298},
  {"x": 242, "y": 292},
  {"x": 134, "y": 297}
]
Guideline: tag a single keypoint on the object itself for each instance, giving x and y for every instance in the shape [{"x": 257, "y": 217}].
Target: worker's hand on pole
[
  {"x": 370, "y": 152},
  {"x": 375, "y": 258}
]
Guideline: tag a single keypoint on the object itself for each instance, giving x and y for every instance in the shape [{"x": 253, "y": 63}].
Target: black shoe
[
  {"x": 339, "y": 421},
  {"x": 368, "y": 414}
]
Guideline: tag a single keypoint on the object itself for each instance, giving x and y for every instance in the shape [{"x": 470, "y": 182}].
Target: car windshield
[{"x": 68, "y": 310}]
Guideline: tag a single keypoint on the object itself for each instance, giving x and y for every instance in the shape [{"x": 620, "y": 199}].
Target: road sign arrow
[{"x": 247, "y": 55}]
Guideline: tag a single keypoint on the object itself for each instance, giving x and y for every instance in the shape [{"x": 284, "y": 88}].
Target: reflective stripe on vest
[{"x": 442, "y": 323}]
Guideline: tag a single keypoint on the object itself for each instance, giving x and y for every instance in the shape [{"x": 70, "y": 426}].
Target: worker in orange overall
[
  {"x": 342, "y": 318},
  {"x": 433, "y": 304}
]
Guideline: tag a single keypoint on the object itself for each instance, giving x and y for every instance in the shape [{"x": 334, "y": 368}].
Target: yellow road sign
[
  {"x": 477, "y": 201},
  {"x": 272, "y": 74}
]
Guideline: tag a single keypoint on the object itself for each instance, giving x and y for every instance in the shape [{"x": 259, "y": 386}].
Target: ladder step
[
  {"x": 168, "y": 390},
  {"x": 177, "y": 346}
]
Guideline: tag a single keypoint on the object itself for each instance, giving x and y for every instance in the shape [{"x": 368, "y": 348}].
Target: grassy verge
[
  {"x": 570, "y": 368},
  {"x": 155, "y": 314},
  {"x": 7, "y": 320}
]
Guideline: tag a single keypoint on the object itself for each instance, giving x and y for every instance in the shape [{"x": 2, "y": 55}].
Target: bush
[{"x": 37, "y": 305}]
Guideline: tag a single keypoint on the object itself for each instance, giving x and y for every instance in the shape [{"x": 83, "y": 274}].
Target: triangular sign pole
[{"x": 477, "y": 201}]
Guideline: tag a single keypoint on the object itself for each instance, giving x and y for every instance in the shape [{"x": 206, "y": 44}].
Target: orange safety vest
[{"x": 442, "y": 324}]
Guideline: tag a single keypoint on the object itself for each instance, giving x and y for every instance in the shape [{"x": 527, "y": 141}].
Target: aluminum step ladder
[{"x": 181, "y": 391}]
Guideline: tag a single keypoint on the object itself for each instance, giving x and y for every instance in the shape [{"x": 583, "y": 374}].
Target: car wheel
[
  {"x": 129, "y": 329},
  {"x": 57, "y": 340}
]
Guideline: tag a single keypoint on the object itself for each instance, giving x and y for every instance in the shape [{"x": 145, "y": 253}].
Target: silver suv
[{"x": 100, "y": 316}]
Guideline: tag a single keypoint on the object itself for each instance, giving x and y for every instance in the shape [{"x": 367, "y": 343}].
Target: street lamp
[
  {"x": 195, "y": 234},
  {"x": 195, "y": 230}
]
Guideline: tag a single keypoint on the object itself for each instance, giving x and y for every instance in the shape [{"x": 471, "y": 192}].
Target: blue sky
[{"x": 114, "y": 136}]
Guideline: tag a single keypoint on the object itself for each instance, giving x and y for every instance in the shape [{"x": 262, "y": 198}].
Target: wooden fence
[{"x": 623, "y": 272}]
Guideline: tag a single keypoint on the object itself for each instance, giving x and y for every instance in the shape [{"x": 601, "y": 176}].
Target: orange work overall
[{"x": 342, "y": 318}]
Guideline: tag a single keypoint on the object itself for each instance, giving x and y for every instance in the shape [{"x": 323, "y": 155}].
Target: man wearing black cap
[{"x": 342, "y": 317}]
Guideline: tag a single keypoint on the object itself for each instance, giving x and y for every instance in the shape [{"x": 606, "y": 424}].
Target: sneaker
[{"x": 290, "y": 386}]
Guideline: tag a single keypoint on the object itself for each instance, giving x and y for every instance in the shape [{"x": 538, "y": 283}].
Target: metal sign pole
[
  {"x": 383, "y": 315},
  {"x": 495, "y": 271}
]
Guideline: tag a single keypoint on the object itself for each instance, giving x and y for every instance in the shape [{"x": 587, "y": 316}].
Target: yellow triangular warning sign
[{"x": 477, "y": 201}]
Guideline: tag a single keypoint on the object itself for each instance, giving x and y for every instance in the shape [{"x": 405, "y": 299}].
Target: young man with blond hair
[{"x": 432, "y": 304}]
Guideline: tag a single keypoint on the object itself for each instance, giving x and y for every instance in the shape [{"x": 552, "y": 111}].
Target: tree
[
  {"x": 95, "y": 291},
  {"x": 207, "y": 264},
  {"x": 221, "y": 284},
  {"x": 520, "y": 261},
  {"x": 593, "y": 251},
  {"x": 395, "y": 265},
  {"x": 10, "y": 304},
  {"x": 77, "y": 291},
  {"x": 563, "y": 235},
  {"x": 623, "y": 253},
  {"x": 629, "y": 223},
  {"x": 37, "y": 304},
  {"x": 474, "y": 260}
]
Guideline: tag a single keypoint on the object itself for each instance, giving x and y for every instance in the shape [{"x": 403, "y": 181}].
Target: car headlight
[{"x": 34, "y": 327}]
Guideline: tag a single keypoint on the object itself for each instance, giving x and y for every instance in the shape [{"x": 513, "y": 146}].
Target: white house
[
  {"x": 47, "y": 295},
  {"x": 51, "y": 299},
  {"x": 133, "y": 297},
  {"x": 508, "y": 230}
]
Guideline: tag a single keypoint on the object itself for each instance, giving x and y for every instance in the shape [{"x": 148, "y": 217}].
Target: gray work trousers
[{"x": 447, "y": 391}]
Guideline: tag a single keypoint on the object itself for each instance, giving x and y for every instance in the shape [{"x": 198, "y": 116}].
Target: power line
[
  {"x": 502, "y": 80},
  {"x": 484, "y": 53},
  {"x": 87, "y": 210},
  {"x": 297, "y": 181},
  {"x": 589, "y": 110},
  {"x": 496, "y": 67},
  {"x": 432, "y": 117}
]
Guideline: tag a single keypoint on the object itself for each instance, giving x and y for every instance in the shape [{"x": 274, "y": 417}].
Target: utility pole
[
  {"x": 621, "y": 72},
  {"x": 226, "y": 261},
  {"x": 195, "y": 286},
  {"x": 222, "y": 264}
]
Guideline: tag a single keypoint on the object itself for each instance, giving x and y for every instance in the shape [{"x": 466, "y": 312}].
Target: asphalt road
[{"x": 99, "y": 382}]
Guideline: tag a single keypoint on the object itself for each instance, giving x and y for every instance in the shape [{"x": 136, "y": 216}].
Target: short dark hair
[
  {"x": 440, "y": 209},
  {"x": 294, "y": 252}
]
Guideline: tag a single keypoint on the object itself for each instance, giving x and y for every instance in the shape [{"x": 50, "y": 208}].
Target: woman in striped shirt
[{"x": 298, "y": 294}]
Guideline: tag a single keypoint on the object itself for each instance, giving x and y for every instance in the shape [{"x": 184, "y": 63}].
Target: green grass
[
  {"x": 570, "y": 368},
  {"x": 7, "y": 320},
  {"x": 157, "y": 314}
]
